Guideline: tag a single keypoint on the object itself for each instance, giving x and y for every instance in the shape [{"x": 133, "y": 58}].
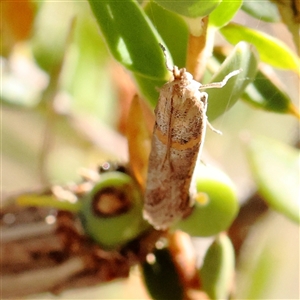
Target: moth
[{"x": 177, "y": 141}]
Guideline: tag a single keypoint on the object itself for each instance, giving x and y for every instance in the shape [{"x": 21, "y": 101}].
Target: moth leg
[{"x": 213, "y": 129}]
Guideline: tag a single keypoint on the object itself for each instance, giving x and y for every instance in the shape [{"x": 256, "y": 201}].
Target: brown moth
[{"x": 178, "y": 135}]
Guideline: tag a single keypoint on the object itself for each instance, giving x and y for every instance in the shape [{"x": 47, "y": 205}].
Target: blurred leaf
[
  {"x": 86, "y": 73},
  {"x": 266, "y": 93},
  {"x": 224, "y": 13},
  {"x": 161, "y": 277},
  {"x": 52, "y": 29},
  {"x": 218, "y": 268},
  {"x": 271, "y": 50},
  {"x": 261, "y": 10},
  {"x": 165, "y": 21},
  {"x": 138, "y": 134},
  {"x": 48, "y": 201},
  {"x": 275, "y": 167},
  {"x": 191, "y": 8},
  {"x": 242, "y": 57},
  {"x": 290, "y": 14},
  {"x": 22, "y": 81},
  {"x": 131, "y": 287},
  {"x": 268, "y": 266},
  {"x": 13, "y": 137}
]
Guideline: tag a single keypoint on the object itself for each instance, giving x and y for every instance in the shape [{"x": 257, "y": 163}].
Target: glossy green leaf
[
  {"x": 134, "y": 42},
  {"x": 275, "y": 167},
  {"x": 161, "y": 277},
  {"x": 271, "y": 50},
  {"x": 218, "y": 268},
  {"x": 265, "y": 94},
  {"x": 191, "y": 8},
  {"x": 262, "y": 10},
  {"x": 167, "y": 22},
  {"x": 130, "y": 36},
  {"x": 224, "y": 13},
  {"x": 216, "y": 204},
  {"x": 220, "y": 100}
]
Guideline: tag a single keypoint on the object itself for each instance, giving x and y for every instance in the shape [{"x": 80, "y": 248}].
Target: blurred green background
[{"x": 64, "y": 102}]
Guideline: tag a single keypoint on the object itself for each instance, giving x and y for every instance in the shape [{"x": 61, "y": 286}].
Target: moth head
[{"x": 182, "y": 74}]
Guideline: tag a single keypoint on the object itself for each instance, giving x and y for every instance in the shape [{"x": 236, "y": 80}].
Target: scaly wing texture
[{"x": 178, "y": 134}]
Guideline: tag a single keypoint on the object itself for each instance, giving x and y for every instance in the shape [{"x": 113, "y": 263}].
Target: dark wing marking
[{"x": 169, "y": 140}]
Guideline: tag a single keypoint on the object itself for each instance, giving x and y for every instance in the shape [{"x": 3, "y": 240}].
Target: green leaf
[
  {"x": 262, "y": 10},
  {"x": 133, "y": 40},
  {"x": 85, "y": 71},
  {"x": 161, "y": 277},
  {"x": 275, "y": 167},
  {"x": 271, "y": 50},
  {"x": 165, "y": 23},
  {"x": 218, "y": 268},
  {"x": 224, "y": 13},
  {"x": 220, "y": 100},
  {"x": 51, "y": 34},
  {"x": 191, "y": 8},
  {"x": 149, "y": 88},
  {"x": 265, "y": 93}
]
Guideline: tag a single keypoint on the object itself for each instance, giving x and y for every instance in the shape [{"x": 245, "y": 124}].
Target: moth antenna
[
  {"x": 223, "y": 82},
  {"x": 167, "y": 62}
]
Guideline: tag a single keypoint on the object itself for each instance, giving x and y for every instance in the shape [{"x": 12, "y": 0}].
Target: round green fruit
[
  {"x": 111, "y": 213},
  {"x": 215, "y": 207}
]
